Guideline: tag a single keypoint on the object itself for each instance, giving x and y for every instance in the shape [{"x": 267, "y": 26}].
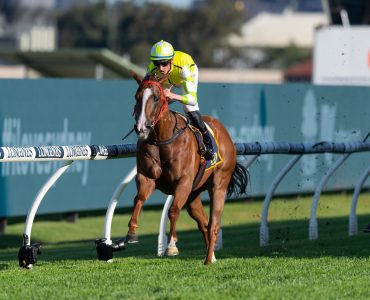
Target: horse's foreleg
[
  {"x": 196, "y": 211},
  {"x": 145, "y": 188},
  {"x": 217, "y": 206},
  {"x": 180, "y": 197},
  {"x": 133, "y": 223}
]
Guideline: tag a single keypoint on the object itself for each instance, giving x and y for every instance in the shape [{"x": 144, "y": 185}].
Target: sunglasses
[{"x": 163, "y": 63}]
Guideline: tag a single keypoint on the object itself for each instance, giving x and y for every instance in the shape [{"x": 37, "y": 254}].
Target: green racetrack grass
[{"x": 335, "y": 266}]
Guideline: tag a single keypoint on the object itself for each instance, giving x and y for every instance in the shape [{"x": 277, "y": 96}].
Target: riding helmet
[{"x": 162, "y": 51}]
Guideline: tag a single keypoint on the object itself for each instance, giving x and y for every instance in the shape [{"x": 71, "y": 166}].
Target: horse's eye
[{"x": 156, "y": 98}]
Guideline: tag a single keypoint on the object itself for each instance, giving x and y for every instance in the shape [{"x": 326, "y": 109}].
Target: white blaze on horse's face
[{"x": 141, "y": 124}]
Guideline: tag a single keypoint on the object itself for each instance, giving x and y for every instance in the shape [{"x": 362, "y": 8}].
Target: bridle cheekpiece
[{"x": 163, "y": 99}]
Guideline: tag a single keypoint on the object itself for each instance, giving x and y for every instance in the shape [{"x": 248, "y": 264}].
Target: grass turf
[{"x": 335, "y": 266}]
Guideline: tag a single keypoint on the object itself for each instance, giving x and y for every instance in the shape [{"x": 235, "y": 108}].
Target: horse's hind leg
[
  {"x": 217, "y": 206},
  {"x": 145, "y": 187},
  {"x": 195, "y": 209}
]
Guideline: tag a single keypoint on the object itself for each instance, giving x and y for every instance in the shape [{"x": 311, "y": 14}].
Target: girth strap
[{"x": 199, "y": 176}]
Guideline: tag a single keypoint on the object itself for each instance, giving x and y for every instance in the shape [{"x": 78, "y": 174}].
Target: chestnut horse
[{"x": 168, "y": 159}]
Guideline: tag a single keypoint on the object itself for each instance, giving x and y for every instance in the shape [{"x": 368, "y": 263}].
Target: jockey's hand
[
  {"x": 172, "y": 96},
  {"x": 168, "y": 93}
]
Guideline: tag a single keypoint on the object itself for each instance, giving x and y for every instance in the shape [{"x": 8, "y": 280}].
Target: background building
[{"x": 270, "y": 40}]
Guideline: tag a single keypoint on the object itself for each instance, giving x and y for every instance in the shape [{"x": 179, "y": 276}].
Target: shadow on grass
[
  {"x": 9, "y": 241},
  {"x": 287, "y": 239}
]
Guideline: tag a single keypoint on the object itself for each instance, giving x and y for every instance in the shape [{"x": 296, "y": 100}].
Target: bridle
[
  {"x": 164, "y": 106},
  {"x": 163, "y": 100}
]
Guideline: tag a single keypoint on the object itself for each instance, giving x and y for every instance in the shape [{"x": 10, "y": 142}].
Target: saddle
[{"x": 204, "y": 164}]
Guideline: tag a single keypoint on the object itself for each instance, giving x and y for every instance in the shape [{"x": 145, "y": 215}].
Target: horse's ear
[
  {"x": 163, "y": 79},
  {"x": 137, "y": 77}
]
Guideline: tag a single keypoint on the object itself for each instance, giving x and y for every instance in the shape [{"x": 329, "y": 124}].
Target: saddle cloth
[
  {"x": 204, "y": 164},
  {"x": 217, "y": 159}
]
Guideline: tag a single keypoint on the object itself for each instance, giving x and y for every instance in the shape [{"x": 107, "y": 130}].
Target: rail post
[{"x": 27, "y": 255}]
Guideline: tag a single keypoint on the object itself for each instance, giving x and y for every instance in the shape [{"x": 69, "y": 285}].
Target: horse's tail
[{"x": 239, "y": 180}]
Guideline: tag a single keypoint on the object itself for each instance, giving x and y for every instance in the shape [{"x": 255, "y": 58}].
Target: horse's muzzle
[{"x": 143, "y": 133}]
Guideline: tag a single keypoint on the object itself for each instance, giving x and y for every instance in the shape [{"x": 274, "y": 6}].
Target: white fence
[{"x": 98, "y": 152}]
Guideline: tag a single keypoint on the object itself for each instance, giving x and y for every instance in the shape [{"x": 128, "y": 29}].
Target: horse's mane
[
  {"x": 155, "y": 77},
  {"x": 149, "y": 77}
]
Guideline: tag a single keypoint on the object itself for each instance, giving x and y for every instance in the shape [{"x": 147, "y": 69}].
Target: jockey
[{"x": 181, "y": 70}]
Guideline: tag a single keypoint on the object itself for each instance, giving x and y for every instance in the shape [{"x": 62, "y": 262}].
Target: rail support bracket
[
  {"x": 27, "y": 255},
  {"x": 105, "y": 250}
]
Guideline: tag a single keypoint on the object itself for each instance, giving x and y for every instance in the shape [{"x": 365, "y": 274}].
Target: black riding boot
[{"x": 198, "y": 122}]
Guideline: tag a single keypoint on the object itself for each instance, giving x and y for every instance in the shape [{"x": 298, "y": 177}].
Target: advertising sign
[
  {"x": 57, "y": 118},
  {"x": 342, "y": 56}
]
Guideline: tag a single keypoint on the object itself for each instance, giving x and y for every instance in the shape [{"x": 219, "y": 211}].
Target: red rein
[{"x": 163, "y": 99}]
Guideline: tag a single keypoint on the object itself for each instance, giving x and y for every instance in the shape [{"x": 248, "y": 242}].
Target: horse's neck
[{"x": 164, "y": 128}]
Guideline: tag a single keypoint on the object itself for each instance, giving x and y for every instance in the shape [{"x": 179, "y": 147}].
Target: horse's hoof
[
  {"x": 172, "y": 251},
  {"x": 213, "y": 258},
  {"x": 208, "y": 263},
  {"x": 131, "y": 239},
  {"x": 212, "y": 261}
]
